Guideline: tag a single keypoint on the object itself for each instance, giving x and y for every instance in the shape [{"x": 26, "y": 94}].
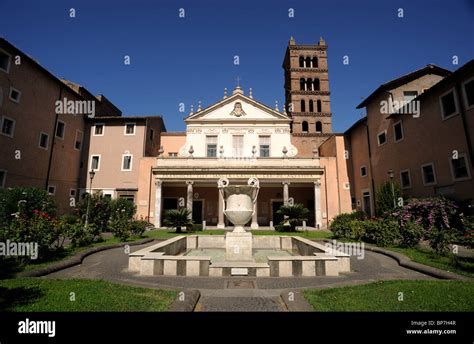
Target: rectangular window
[
  {"x": 363, "y": 171},
  {"x": 449, "y": 106},
  {"x": 382, "y": 138},
  {"x": 8, "y": 126},
  {"x": 127, "y": 162},
  {"x": 238, "y": 145},
  {"x": 60, "y": 129},
  {"x": 5, "y": 59},
  {"x": 428, "y": 173},
  {"x": 152, "y": 134},
  {"x": 211, "y": 146},
  {"x": 99, "y": 129},
  {"x": 78, "y": 142},
  {"x": 51, "y": 190},
  {"x": 405, "y": 179},
  {"x": 129, "y": 128},
  {"x": 408, "y": 96},
  {"x": 15, "y": 95},
  {"x": 72, "y": 193},
  {"x": 43, "y": 140},
  {"x": 468, "y": 89},
  {"x": 398, "y": 131},
  {"x": 95, "y": 162},
  {"x": 173, "y": 154},
  {"x": 460, "y": 168},
  {"x": 3, "y": 178},
  {"x": 264, "y": 142}
]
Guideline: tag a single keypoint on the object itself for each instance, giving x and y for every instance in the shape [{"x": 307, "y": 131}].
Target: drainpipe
[
  {"x": 370, "y": 166},
  {"x": 53, "y": 141}
]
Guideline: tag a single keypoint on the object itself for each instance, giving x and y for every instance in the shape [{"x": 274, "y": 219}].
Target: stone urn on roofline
[{"x": 239, "y": 204}]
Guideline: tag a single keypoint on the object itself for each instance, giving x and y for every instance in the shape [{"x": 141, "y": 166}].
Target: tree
[
  {"x": 385, "y": 197},
  {"x": 177, "y": 218},
  {"x": 293, "y": 214}
]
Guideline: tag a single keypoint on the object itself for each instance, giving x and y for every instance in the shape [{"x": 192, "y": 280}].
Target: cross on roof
[{"x": 238, "y": 81}]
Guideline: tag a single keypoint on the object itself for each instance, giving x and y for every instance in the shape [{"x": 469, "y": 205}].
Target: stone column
[
  {"x": 220, "y": 223},
  {"x": 285, "y": 192},
  {"x": 317, "y": 204},
  {"x": 189, "y": 199},
  {"x": 254, "y": 224},
  {"x": 158, "y": 192}
]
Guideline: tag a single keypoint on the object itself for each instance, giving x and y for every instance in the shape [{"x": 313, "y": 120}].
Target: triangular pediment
[{"x": 237, "y": 108}]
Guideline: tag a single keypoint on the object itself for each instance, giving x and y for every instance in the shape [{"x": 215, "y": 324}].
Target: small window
[
  {"x": 51, "y": 190},
  {"x": 5, "y": 59},
  {"x": 78, "y": 141},
  {"x": 8, "y": 126},
  {"x": 301, "y": 60},
  {"x": 408, "y": 96},
  {"x": 460, "y": 168},
  {"x": 127, "y": 162},
  {"x": 382, "y": 138},
  {"x": 15, "y": 95},
  {"x": 72, "y": 193},
  {"x": 428, "y": 173},
  {"x": 304, "y": 127},
  {"x": 95, "y": 162},
  {"x": 398, "y": 131},
  {"x": 60, "y": 129},
  {"x": 152, "y": 134},
  {"x": 173, "y": 154},
  {"x": 211, "y": 146},
  {"x": 319, "y": 127},
  {"x": 363, "y": 171},
  {"x": 3, "y": 178},
  {"x": 405, "y": 179},
  {"x": 468, "y": 89},
  {"x": 303, "y": 105},
  {"x": 448, "y": 105},
  {"x": 98, "y": 129},
  {"x": 130, "y": 129},
  {"x": 264, "y": 142},
  {"x": 43, "y": 141}
]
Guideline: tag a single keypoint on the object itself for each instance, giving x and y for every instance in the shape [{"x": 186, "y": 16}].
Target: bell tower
[{"x": 307, "y": 93}]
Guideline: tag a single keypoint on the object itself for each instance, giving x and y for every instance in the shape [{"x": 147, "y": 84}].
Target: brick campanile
[{"x": 307, "y": 93}]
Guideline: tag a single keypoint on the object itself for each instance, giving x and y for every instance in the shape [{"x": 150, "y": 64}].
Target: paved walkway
[{"x": 236, "y": 293}]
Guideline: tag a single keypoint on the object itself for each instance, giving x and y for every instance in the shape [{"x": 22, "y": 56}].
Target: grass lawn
[
  {"x": 384, "y": 296},
  {"x": 460, "y": 265},
  {"x": 47, "y": 295},
  {"x": 164, "y": 233}
]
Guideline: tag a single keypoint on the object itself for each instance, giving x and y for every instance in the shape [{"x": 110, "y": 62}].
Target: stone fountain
[{"x": 239, "y": 206}]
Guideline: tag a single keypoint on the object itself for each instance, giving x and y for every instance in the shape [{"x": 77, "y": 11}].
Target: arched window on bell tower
[
  {"x": 303, "y": 105},
  {"x": 318, "y": 105},
  {"x": 308, "y": 62},
  {"x": 311, "y": 106},
  {"x": 316, "y": 85},
  {"x": 309, "y": 84},
  {"x": 315, "y": 62},
  {"x": 302, "y": 84},
  {"x": 319, "y": 127},
  {"x": 304, "y": 127},
  {"x": 301, "y": 61}
]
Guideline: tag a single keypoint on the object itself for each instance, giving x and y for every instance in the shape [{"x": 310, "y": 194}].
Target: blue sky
[{"x": 176, "y": 60}]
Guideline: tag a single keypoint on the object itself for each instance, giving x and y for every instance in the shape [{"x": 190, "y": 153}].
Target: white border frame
[
  {"x": 423, "y": 174},
  {"x": 462, "y": 155},
  {"x": 103, "y": 129},
  {"x": 403, "y": 131},
  {"x": 386, "y": 137},
  {"x": 56, "y": 130},
  {"x": 463, "y": 86},
  {"x": 47, "y": 141},
  {"x": 98, "y": 165},
  {"x": 134, "y": 129},
  {"x": 409, "y": 178},
  {"x": 1, "y": 126},
  {"x": 453, "y": 90},
  {"x": 360, "y": 170},
  {"x": 54, "y": 192},
  {"x": 75, "y": 193},
  {"x": 10, "y": 95},
  {"x": 131, "y": 162},
  {"x": 9, "y": 61},
  {"x": 82, "y": 140},
  {"x": 4, "y": 181}
]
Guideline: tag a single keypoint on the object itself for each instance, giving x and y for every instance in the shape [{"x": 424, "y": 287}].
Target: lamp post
[
  {"x": 391, "y": 174},
  {"x": 91, "y": 176}
]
